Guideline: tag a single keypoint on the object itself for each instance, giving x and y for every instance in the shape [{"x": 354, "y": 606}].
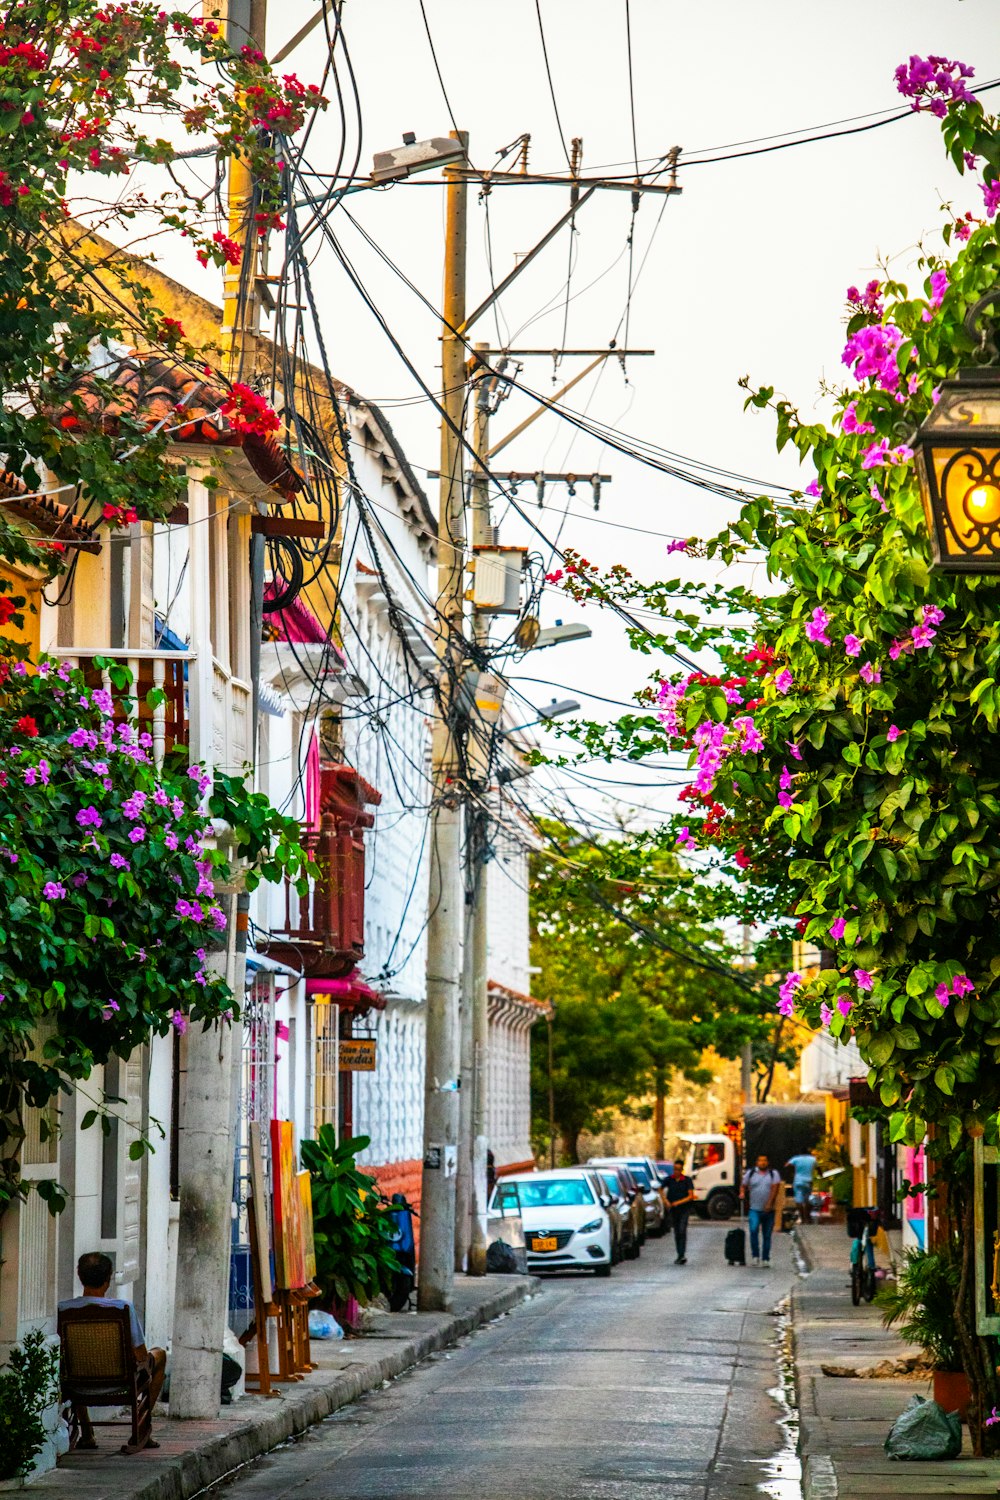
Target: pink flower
[
  {"x": 178, "y": 1022},
  {"x": 813, "y": 489},
  {"x": 787, "y": 992},
  {"x": 816, "y": 627},
  {"x": 893, "y": 733},
  {"x": 785, "y": 779},
  {"x": 942, "y": 994},
  {"x": 136, "y": 835},
  {"x": 931, "y": 615},
  {"x": 679, "y": 544},
  {"x": 54, "y": 890},
  {"x": 732, "y": 695},
  {"x": 872, "y": 353},
  {"x": 863, "y": 978},
  {"x": 89, "y": 817},
  {"x": 849, "y": 421},
  {"x": 825, "y": 1013},
  {"x": 844, "y": 1005},
  {"x": 939, "y": 285},
  {"x": 785, "y": 799},
  {"x": 962, "y": 985},
  {"x": 871, "y": 673},
  {"x": 685, "y": 840},
  {"x": 793, "y": 750},
  {"x": 109, "y": 1010},
  {"x": 869, "y": 301},
  {"x": 852, "y": 645},
  {"x": 837, "y": 930},
  {"x": 991, "y": 197},
  {"x": 119, "y": 862},
  {"x": 922, "y": 636},
  {"x": 784, "y": 681},
  {"x": 880, "y": 454}
]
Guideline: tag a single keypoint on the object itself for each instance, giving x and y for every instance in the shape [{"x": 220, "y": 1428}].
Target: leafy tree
[
  {"x": 641, "y": 982},
  {"x": 843, "y": 752},
  {"x": 354, "y": 1254}
]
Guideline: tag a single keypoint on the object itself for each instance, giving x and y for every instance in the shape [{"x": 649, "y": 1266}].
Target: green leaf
[{"x": 944, "y": 1078}]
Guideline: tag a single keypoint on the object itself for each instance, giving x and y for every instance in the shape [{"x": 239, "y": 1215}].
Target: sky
[{"x": 743, "y": 274}]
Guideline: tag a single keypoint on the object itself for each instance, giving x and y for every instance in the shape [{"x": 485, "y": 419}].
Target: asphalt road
[{"x": 658, "y": 1382}]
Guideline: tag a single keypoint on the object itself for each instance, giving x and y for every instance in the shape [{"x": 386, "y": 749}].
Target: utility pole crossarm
[
  {"x": 541, "y": 410},
  {"x": 528, "y": 179}
]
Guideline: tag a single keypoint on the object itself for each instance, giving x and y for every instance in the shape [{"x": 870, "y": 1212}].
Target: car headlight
[{"x": 592, "y": 1227}]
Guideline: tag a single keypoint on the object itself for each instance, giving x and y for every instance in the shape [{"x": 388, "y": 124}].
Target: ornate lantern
[{"x": 958, "y": 463}]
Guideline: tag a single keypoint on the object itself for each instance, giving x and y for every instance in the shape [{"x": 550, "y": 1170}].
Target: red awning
[{"x": 351, "y": 993}]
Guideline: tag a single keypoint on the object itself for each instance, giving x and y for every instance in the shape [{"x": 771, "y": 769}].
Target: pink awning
[{"x": 350, "y": 992}]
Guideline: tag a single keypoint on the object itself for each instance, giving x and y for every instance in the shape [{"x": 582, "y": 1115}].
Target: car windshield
[
  {"x": 611, "y": 1180},
  {"x": 641, "y": 1174},
  {"x": 560, "y": 1192}
]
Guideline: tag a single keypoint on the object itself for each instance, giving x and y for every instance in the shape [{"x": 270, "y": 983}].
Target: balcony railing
[
  {"x": 168, "y": 721},
  {"x": 323, "y": 931}
]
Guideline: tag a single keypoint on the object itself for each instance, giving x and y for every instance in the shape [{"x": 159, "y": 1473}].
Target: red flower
[
  {"x": 7, "y": 610},
  {"x": 27, "y": 726},
  {"x": 111, "y": 512},
  {"x": 742, "y": 860}
]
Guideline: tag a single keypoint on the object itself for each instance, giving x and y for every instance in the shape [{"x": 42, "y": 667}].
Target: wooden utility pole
[
  {"x": 205, "y": 1140},
  {"x": 444, "y": 927}
]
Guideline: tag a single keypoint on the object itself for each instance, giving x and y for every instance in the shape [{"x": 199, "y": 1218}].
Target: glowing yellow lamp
[{"x": 958, "y": 464}]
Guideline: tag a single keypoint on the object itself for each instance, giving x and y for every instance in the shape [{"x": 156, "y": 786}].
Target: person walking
[
  {"x": 680, "y": 1196},
  {"x": 804, "y": 1167},
  {"x": 760, "y": 1189}
]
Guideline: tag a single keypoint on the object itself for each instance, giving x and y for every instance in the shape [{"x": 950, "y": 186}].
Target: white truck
[{"x": 712, "y": 1163}]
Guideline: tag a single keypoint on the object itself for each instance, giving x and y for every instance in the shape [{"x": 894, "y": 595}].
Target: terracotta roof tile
[
  {"x": 159, "y": 390},
  {"x": 46, "y": 514}
]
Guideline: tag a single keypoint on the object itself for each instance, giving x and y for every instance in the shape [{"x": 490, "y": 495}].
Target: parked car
[
  {"x": 566, "y": 1225},
  {"x": 643, "y": 1171},
  {"x": 626, "y": 1193},
  {"x": 615, "y": 1205}
]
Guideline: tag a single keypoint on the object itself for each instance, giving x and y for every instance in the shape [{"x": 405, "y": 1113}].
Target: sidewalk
[
  {"x": 193, "y": 1455},
  {"x": 844, "y": 1421}
]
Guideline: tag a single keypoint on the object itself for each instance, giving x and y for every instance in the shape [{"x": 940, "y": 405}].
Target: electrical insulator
[
  {"x": 595, "y": 485},
  {"x": 540, "y": 489}
]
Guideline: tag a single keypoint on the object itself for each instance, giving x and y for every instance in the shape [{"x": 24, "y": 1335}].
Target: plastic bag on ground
[
  {"x": 925, "y": 1430},
  {"x": 323, "y": 1325},
  {"x": 500, "y": 1259}
]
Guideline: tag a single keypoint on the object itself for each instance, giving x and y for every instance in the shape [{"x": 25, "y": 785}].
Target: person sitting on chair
[{"x": 95, "y": 1271}]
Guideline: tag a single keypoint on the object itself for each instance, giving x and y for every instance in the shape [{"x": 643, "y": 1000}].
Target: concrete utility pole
[
  {"x": 475, "y": 997},
  {"x": 208, "y": 1098},
  {"x": 444, "y": 928}
]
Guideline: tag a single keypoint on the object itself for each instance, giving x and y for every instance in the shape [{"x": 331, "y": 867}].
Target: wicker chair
[{"x": 99, "y": 1369}]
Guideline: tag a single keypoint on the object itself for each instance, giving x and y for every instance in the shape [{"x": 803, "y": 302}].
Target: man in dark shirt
[{"x": 680, "y": 1196}]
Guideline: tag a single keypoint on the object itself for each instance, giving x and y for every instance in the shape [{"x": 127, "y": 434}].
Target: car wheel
[
  {"x": 721, "y": 1206},
  {"x": 602, "y": 1270}
]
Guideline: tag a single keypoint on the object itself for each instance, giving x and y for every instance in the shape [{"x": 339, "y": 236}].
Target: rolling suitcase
[{"x": 736, "y": 1247}]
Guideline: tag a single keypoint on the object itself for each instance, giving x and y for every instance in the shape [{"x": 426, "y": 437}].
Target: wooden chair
[{"x": 99, "y": 1368}]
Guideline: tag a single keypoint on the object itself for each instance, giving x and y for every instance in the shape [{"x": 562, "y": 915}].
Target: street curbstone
[
  {"x": 819, "y": 1478},
  {"x": 222, "y": 1454}
]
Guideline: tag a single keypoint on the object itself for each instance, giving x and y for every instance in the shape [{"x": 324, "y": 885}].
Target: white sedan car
[{"x": 566, "y": 1226}]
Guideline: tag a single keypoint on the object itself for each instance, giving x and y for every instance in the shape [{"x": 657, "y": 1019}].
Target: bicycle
[{"x": 862, "y": 1225}]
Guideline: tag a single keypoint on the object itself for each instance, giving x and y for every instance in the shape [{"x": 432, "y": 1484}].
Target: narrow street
[{"x": 656, "y": 1382}]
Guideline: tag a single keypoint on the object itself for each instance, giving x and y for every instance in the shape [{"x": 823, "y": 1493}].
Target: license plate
[{"x": 546, "y": 1242}]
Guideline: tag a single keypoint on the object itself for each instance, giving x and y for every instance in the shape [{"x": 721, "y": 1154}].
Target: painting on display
[
  {"x": 306, "y": 1219},
  {"x": 261, "y": 1248},
  {"x": 289, "y": 1269}
]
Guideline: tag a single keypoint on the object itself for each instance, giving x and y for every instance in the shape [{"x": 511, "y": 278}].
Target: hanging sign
[{"x": 357, "y": 1054}]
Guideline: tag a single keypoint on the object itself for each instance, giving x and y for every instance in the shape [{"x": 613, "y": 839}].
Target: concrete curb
[
  {"x": 301, "y": 1407},
  {"x": 819, "y": 1479},
  {"x": 803, "y": 1250}
]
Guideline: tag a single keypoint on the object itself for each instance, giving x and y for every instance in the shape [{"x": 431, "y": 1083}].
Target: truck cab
[{"x": 711, "y": 1162}]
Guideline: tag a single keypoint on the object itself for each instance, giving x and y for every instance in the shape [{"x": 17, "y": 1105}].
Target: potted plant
[
  {"x": 29, "y": 1391},
  {"x": 922, "y": 1303},
  {"x": 355, "y": 1260}
]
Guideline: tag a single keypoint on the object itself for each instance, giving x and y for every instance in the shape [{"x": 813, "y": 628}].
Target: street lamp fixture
[
  {"x": 554, "y": 710},
  {"x": 958, "y": 458},
  {"x": 958, "y": 465},
  {"x": 416, "y": 156}
]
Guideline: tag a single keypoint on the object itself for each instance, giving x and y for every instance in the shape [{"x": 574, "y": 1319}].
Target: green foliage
[
  {"x": 28, "y": 1385},
  {"x": 266, "y": 842},
  {"x": 872, "y": 795},
  {"x": 80, "y": 82},
  {"x": 640, "y": 981},
  {"x": 354, "y": 1256},
  {"x": 922, "y": 1303}
]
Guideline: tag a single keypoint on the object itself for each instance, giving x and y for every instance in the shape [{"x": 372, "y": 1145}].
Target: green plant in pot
[
  {"x": 354, "y": 1254},
  {"x": 922, "y": 1304},
  {"x": 28, "y": 1387}
]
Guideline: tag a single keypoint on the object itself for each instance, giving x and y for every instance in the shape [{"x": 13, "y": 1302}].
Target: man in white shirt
[{"x": 95, "y": 1271}]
